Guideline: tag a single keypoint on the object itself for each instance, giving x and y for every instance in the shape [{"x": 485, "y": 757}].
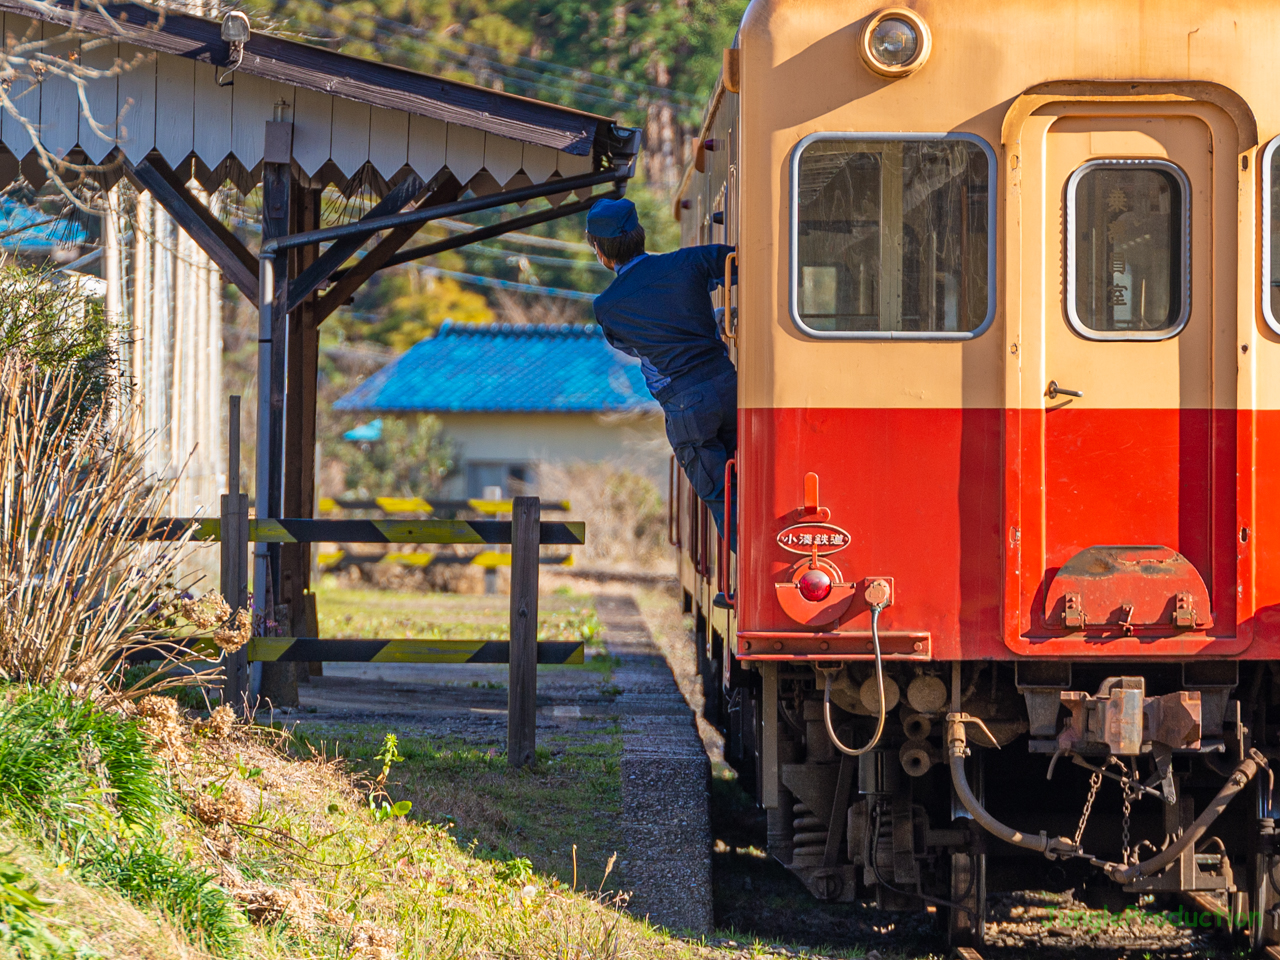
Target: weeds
[{"x": 78, "y": 591}]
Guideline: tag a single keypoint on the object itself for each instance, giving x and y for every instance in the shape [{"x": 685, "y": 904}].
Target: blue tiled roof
[
  {"x": 27, "y": 228},
  {"x": 469, "y": 368}
]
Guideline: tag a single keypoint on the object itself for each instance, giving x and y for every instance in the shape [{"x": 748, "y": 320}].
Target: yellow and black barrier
[
  {"x": 488, "y": 560},
  {"x": 313, "y": 649},
  {"x": 418, "y": 505},
  {"x": 358, "y": 531}
]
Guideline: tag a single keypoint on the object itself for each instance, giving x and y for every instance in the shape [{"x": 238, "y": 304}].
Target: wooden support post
[
  {"x": 522, "y": 686},
  {"x": 235, "y": 560},
  {"x": 279, "y": 684},
  {"x": 299, "y": 431}
]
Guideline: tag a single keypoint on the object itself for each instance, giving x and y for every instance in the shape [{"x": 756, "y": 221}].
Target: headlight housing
[{"x": 895, "y": 43}]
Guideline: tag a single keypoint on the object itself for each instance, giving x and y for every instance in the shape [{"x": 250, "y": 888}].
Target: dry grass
[
  {"x": 77, "y": 590},
  {"x": 624, "y": 511}
]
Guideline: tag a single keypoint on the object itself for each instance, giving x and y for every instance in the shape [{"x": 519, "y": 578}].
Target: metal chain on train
[
  {"x": 1095, "y": 781},
  {"x": 1124, "y": 821}
]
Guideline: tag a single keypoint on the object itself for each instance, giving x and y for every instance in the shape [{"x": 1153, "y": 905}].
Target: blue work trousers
[{"x": 702, "y": 425}]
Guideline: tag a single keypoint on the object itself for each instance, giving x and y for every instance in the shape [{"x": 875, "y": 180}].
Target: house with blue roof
[{"x": 515, "y": 398}]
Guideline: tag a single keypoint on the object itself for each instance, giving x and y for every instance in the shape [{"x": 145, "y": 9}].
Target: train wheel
[{"x": 967, "y": 920}]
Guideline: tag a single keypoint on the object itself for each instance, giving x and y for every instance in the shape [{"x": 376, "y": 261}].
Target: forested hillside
[{"x": 649, "y": 64}]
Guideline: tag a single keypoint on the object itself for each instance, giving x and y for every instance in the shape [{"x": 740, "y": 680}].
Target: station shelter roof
[
  {"x": 355, "y": 122},
  {"x": 507, "y": 368}
]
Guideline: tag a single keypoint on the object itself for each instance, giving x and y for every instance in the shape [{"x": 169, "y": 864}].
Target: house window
[{"x": 511, "y": 479}]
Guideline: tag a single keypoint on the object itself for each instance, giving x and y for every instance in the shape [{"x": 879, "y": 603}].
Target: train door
[{"x": 1126, "y": 429}]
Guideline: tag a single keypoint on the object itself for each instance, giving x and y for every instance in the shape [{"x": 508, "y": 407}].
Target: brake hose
[{"x": 826, "y": 696}]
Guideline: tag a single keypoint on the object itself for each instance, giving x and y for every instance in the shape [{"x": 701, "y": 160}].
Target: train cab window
[
  {"x": 891, "y": 236},
  {"x": 1271, "y": 234},
  {"x": 1127, "y": 244}
]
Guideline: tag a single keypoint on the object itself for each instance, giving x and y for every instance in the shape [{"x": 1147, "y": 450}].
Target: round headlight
[{"x": 895, "y": 42}]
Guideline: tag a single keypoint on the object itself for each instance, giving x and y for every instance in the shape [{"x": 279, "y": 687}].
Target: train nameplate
[{"x": 810, "y": 538}]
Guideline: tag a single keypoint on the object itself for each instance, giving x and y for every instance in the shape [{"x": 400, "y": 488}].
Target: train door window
[
  {"x": 1128, "y": 241},
  {"x": 891, "y": 236},
  {"x": 1271, "y": 234}
]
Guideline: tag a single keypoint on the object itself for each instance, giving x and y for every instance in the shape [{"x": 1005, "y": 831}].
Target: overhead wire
[
  {"x": 494, "y": 282},
  {"x": 461, "y": 226},
  {"x": 513, "y": 256}
]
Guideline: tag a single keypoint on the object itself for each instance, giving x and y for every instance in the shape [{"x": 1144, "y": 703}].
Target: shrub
[{"x": 410, "y": 460}]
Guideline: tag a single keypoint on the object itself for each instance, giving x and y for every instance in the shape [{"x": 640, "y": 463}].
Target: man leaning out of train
[{"x": 658, "y": 308}]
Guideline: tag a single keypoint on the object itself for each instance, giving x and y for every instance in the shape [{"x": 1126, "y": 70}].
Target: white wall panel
[
  {"x": 539, "y": 162},
  {"x": 312, "y": 129},
  {"x": 464, "y": 151},
  {"x": 24, "y": 97},
  {"x": 175, "y": 108},
  {"x": 59, "y": 100},
  {"x": 427, "y": 139},
  {"x": 570, "y": 165},
  {"x": 213, "y": 109},
  {"x": 138, "y": 101},
  {"x": 252, "y": 106},
  {"x": 502, "y": 157},
  {"x": 388, "y": 140},
  {"x": 350, "y": 135},
  {"x": 101, "y": 96}
]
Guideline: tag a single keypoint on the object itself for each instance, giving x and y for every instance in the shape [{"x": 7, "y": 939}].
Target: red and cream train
[{"x": 1007, "y": 326}]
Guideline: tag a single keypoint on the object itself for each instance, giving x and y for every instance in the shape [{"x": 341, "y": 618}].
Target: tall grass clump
[{"x": 78, "y": 587}]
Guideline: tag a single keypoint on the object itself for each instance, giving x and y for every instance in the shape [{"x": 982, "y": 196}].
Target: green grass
[
  {"x": 366, "y": 613},
  {"x": 572, "y": 795},
  {"x": 58, "y": 753},
  {"x": 86, "y": 783}
]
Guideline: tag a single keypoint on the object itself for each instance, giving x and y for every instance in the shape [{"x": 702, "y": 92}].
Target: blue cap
[{"x": 612, "y": 218}]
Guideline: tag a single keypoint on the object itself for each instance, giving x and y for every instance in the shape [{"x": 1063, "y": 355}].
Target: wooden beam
[
  {"x": 522, "y": 673},
  {"x": 320, "y": 268},
  {"x": 300, "y": 419},
  {"x": 354, "y": 277},
  {"x": 493, "y": 230},
  {"x": 222, "y": 246},
  {"x": 278, "y": 684},
  {"x": 235, "y": 559}
]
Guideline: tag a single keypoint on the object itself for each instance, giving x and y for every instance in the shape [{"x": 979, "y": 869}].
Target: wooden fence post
[
  {"x": 522, "y": 686},
  {"x": 234, "y": 543}
]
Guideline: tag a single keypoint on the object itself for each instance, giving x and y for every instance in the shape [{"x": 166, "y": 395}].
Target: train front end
[{"x": 1006, "y": 583}]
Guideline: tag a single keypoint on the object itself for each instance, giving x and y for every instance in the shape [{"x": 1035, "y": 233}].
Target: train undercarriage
[{"x": 1134, "y": 779}]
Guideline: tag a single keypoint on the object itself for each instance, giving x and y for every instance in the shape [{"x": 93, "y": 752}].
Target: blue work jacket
[{"x": 659, "y": 308}]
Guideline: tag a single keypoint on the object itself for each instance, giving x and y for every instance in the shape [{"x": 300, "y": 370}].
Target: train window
[
  {"x": 1128, "y": 238},
  {"x": 1271, "y": 234},
  {"x": 890, "y": 236}
]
